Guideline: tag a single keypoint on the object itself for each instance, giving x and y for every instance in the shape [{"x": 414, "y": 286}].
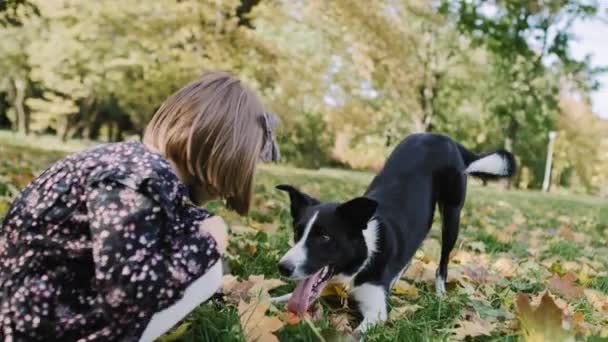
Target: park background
[{"x": 349, "y": 80}]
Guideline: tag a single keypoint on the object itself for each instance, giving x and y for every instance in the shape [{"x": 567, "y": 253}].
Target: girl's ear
[
  {"x": 358, "y": 211},
  {"x": 299, "y": 200}
]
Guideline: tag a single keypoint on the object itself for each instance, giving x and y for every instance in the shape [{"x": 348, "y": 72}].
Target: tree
[{"x": 524, "y": 37}]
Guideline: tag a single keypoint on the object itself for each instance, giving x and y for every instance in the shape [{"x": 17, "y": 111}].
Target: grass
[{"x": 526, "y": 227}]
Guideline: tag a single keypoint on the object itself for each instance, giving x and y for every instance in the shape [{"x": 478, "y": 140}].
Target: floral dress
[{"x": 98, "y": 244}]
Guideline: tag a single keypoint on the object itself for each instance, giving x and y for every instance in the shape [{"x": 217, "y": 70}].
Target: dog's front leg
[
  {"x": 372, "y": 303},
  {"x": 281, "y": 299}
]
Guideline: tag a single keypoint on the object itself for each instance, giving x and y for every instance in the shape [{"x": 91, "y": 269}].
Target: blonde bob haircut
[{"x": 212, "y": 130}]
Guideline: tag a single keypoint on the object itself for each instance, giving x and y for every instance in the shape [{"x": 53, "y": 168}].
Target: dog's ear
[
  {"x": 358, "y": 211},
  {"x": 299, "y": 200}
]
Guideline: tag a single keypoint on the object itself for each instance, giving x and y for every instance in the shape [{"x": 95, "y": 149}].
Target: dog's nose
[{"x": 286, "y": 268}]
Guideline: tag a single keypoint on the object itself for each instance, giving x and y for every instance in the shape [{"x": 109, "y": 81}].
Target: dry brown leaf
[
  {"x": 543, "y": 323},
  {"x": 340, "y": 322},
  {"x": 255, "y": 286},
  {"x": 597, "y": 299},
  {"x": 479, "y": 275},
  {"x": 473, "y": 328},
  {"x": 565, "y": 286},
  {"x": 505, "y": 267},
  {"x": 255, "y": 324},
  {"x": 421, "y": 272},
  {"x": 290, "y": 318},
  {"x": 402, "y": 287},
  {"x": 506, "y": 235},
  {"x": 398, "y": 313}
]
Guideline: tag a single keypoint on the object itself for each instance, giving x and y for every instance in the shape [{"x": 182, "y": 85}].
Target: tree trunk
[{"x": 22, "y": 115}]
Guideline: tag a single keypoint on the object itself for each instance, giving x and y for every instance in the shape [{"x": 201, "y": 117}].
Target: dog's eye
[{"x": 325, "y": 238}]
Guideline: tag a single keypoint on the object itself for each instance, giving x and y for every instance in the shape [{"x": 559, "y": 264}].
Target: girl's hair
[{"x": 212, "y": 129}]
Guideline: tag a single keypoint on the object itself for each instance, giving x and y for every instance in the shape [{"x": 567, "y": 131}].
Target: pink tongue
[{"x": 300, "y": 299}]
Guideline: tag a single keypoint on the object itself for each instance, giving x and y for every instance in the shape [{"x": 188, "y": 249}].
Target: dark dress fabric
[{"x": 96, "y": 245}]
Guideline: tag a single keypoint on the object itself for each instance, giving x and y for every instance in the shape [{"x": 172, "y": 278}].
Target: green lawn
[{"x": 511, "y": 242}]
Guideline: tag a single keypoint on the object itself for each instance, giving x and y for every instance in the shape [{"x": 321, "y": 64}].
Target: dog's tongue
[{"x": 301, "y": 297}]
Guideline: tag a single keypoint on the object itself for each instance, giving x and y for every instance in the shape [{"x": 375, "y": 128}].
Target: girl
[{"x": 109, "y": 244}]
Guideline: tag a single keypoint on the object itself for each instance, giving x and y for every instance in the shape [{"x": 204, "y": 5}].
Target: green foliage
[{"x": 348, "y": 79}]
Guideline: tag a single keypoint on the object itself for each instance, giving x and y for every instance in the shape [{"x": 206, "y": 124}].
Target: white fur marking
[
  {"x": 298, "y": 254},
  {"x": 198, "y": 292},
  {"x": 493, "y": 164},
  {"x": 372, "y": 302},
  {"x": 439, "y": 286}
]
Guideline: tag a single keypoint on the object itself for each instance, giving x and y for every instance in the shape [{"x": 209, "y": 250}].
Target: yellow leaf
[
  {"x": 257, "y": 327},
  {"x": 337, "y": 290},
  {"x": 175, "y": 334},
  {"x": 402, "y": 287},
  {"x": 398, "y": 313},
  {"x": 543, "y": 323}
]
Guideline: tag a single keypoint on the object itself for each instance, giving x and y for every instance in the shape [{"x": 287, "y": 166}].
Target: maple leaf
[
  {"x": 402, "y": 287},
  {"x": 565, "y": 286},
  {"x": 543, "y": 323},
  {"x": 473, "y": 328},
  {"x": 257, "y": 327}
]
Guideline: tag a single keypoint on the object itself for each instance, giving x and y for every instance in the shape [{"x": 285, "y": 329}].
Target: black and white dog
[{"x": 368, "y": 242}]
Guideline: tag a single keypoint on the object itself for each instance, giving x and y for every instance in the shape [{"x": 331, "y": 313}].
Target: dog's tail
[{"x": 498, "y": 164}]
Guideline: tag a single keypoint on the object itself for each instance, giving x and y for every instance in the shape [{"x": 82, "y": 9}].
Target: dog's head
[{"x": 330, "y": 239}]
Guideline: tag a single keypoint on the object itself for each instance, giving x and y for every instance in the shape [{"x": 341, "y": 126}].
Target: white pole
[{"x": 547, "y": 179}]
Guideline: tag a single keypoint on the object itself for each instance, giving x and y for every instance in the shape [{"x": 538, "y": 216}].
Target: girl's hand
[{"x": 216, "y": 227}]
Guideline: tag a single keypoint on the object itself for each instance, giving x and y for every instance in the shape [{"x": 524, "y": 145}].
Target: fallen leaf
[
  {"x": 478, "y": 275},
  {"x": 402, "y": 287},
  {"x": 255, "y": 324},
  {"x": 597, "y": 299},
  {"x": 565, "y": 286},
  {"x": 336, "y": 290},
  {"x": 473, "y": 328},
  {"x": 241, "y": 230},
  {"x": 398, "y": 313},
  {"x": 543, "y": 323},
  {"x": 421, "y": 272},
  {"x": 485, "y": 310},
  {"x": 341, "y": 322},
  {"x": 478, "y": 246},
  {"x": 505, "y": 267},
  {"x": 290, "y": 318},
  {"x": 255, "y": 286}
]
